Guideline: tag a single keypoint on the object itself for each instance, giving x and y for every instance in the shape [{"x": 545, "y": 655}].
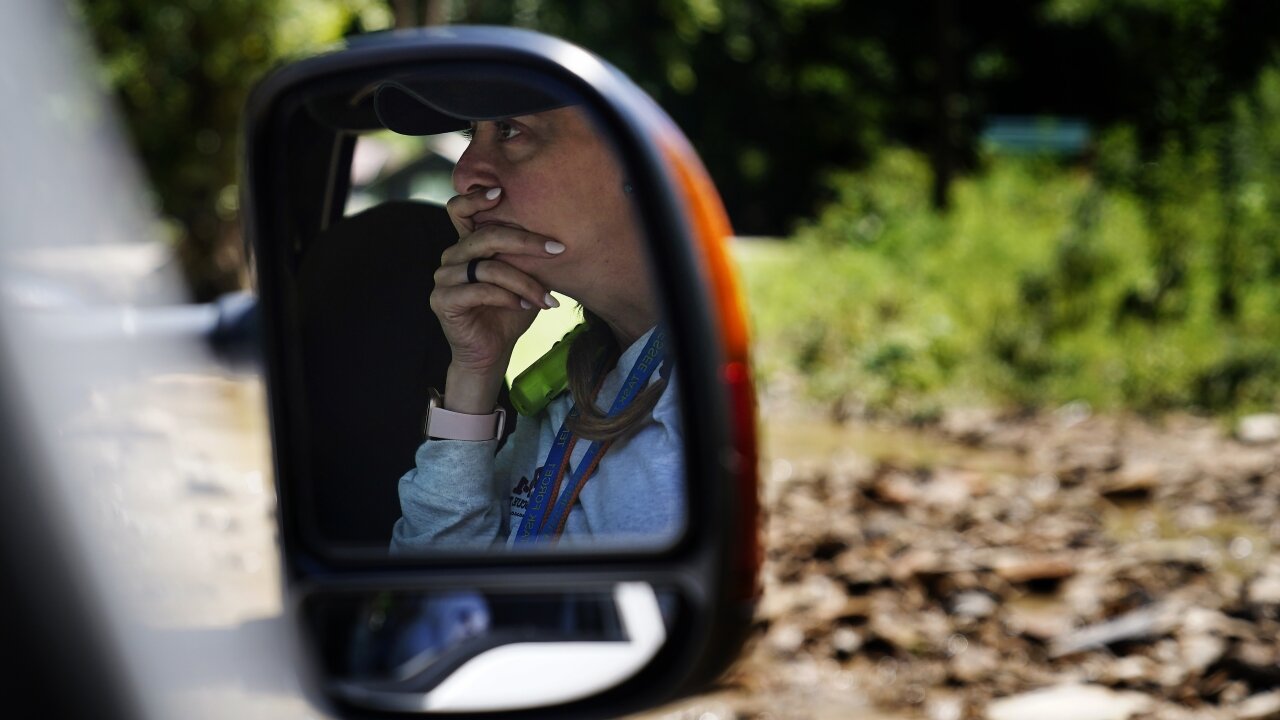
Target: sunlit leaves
[{"x": 180, "y": 70}]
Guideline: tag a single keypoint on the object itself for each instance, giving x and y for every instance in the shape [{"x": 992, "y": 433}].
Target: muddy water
[
  {"x": 815, "y": 439},
  {"x": 176, "y": 471}
]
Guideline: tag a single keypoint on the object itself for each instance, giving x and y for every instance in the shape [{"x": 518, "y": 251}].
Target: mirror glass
[
  {"x": 474, "y": 650},
  {"x": 477, "y": 355}
]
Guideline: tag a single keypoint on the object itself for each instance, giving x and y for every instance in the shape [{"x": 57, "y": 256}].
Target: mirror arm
[
  {"x": 236, "y": 338},
  {"x": 229, "y": 328}
]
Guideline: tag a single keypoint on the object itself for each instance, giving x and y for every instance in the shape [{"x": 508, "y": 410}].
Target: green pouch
[{"x": 546, "y": 378}]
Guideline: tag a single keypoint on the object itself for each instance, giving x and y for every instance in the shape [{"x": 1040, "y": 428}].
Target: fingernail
[
  {"x": 551, "y": 301},
  {"x": 493, "y": 193},
  {"x": 554, "y": 247},
  {"x": 526, "y": 304}
]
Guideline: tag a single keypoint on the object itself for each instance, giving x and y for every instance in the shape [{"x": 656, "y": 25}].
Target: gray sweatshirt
[{"x": 460, "y": 495}]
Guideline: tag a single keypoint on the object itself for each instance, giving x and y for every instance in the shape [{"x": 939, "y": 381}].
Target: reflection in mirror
[
  {"x": 471, "y": 650},
  {"x": 482, "y": 351}
]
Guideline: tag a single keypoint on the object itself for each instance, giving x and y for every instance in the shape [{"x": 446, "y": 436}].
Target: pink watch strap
[{"x": 448, "y": 425}]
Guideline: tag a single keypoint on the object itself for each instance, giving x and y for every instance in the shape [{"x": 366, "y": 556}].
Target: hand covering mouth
[{"x": 479, "y": 220}]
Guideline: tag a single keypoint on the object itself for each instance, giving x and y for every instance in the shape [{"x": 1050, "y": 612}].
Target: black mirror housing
[{"x": 299, "y": 140}]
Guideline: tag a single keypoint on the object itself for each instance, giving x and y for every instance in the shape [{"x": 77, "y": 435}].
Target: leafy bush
[{"x": 1152, "y": 285}]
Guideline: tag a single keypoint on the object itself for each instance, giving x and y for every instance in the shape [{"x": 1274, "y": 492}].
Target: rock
[
  {"x": 897, "y": 489},
  {"x": 1256, "y": 655},
  {"x": 944, "y": 707},
  {"x": 1069, "y": 702},
  {"x": 1258, "y": 429},
  {"x": 974, "y": 604},
  {"x": 825, "y": 597},
  {"x": 1018, "y": 569},
  {"x": 1138, "y": 478},
  {"x": 975, "y": 664},
  {"x": 1263, "y": 706},
  {"x": 780, "y": 601},
  {"x": 1129, "y": 669},
  {"x": 1203, "y": 638},
  {"x": 1076, "y": 462},
  {"x": 786, "y": 639},
  {"x": 898, "y": 631},
  {"x": 1235, "y": 692},
  {"x": 1170, "y": 671},
  {"x": 1201, "y": 650},
  {"x": 1200, "y": 620},
  {"x": 846, "y": 641},
  {"x": 1265, "y": 590},
  {"x": 951, "y": 489},
  {"x": 915, "y": 562},
  {"x": 1144, "y": 623},
  {"x": 857, "y": 568},
  {"x": 1039, "y": 619},
  {"x": 1085, "y": 592},
  {"x": 856, "y": 608}
]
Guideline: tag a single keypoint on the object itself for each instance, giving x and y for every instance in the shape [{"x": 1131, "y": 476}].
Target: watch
[{"x": 449, "y": 425}]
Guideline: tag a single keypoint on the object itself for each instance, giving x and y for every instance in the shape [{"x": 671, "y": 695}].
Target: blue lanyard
[{"x": 537, "y": 522}]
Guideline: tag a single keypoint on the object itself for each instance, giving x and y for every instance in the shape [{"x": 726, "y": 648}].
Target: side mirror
[{"x": 592, "y": 621}]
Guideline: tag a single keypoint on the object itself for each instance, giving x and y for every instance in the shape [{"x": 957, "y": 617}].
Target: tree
[{"x": 180, "y": 71}]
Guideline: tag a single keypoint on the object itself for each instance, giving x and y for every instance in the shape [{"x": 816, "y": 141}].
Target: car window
[{"x": 387, "y": 166}]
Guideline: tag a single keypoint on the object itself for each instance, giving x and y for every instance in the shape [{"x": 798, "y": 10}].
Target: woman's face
[{"x": 559, "y": 178}]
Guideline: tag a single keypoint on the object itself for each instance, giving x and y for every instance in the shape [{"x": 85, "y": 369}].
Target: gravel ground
[{"x": 980, "y": 567}]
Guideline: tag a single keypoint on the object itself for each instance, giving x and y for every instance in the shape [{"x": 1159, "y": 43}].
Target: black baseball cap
[{"x": 447, "y": 99}]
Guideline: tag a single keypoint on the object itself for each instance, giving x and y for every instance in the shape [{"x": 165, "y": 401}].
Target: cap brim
[{"x": 439, "y": 103}]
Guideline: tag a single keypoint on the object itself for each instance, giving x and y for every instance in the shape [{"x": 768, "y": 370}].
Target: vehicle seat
[{"x": 371, "y": 349}]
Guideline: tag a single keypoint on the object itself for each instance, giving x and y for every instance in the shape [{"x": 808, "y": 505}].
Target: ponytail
[{"x": 592, "y": 353}]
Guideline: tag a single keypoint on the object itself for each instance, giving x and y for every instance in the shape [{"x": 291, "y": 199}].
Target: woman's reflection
[{"x": 544, "y": 205}]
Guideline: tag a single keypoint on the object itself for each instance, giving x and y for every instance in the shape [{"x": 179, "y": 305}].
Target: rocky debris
[
  {"x": 1125, "y": 566},
  {"x": 1265, "y": 588},
  {"x": 1141, "y": 624},
  {"x": 973, "y": 604},
  {"x": 1070, "y": 702},
  {"x": 1263, "y": 706},
  {"x": 1133, "y": 479},
  {"x": 1018, "y": 569}
]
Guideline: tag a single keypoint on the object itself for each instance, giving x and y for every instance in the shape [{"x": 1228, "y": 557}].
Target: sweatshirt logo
[{"x": 524, "y": 487}]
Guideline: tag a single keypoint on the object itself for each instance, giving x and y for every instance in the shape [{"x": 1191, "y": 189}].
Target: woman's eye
[
  {"x": 468, "y": 133},
  {"x": 506, "y": 131}
]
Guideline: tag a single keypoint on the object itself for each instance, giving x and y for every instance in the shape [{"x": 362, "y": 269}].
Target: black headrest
[{"x": 371, "y": 350}]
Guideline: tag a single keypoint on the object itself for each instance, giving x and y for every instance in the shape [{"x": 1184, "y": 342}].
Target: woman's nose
[{"x": 474, "y": 170}]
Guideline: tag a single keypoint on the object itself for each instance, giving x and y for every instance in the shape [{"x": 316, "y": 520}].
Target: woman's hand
[{"x": 483, "y": 320}]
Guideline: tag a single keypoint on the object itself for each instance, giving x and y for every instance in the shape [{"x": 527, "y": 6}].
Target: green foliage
[
  {"x": 1149, "y": 285},
  {"x": 180, "y": 71},
  {"x": 775, "y": 94}
]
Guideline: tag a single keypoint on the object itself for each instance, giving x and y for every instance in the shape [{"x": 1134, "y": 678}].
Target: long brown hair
[{"x": 592, "y": 353}]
